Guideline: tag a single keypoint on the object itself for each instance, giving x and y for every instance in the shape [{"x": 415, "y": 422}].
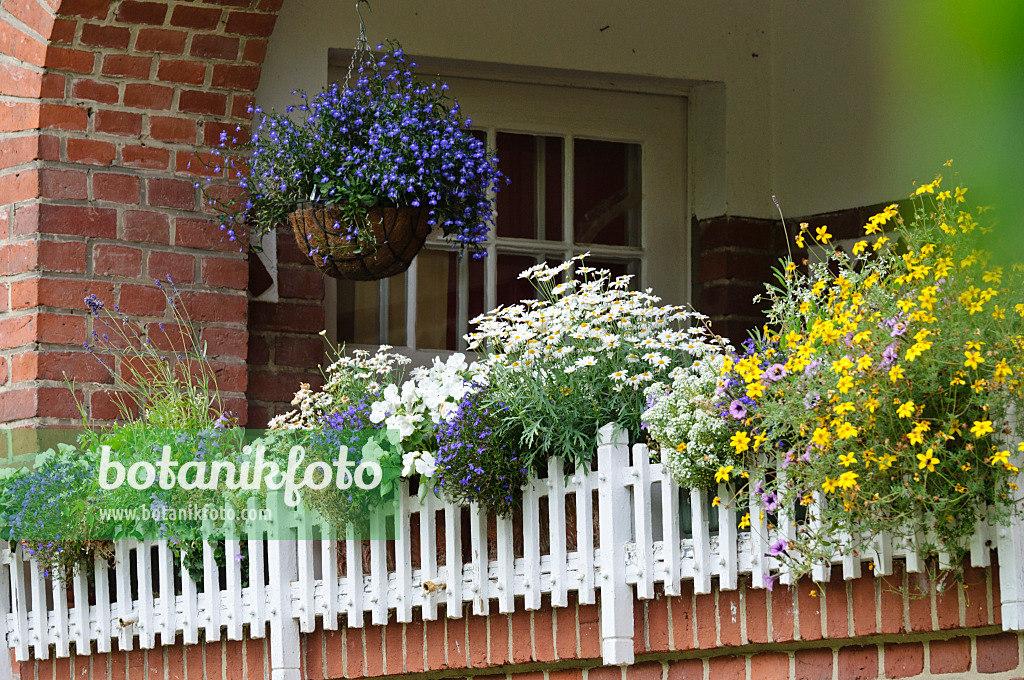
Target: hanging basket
[{"x": 323, "y": 234}]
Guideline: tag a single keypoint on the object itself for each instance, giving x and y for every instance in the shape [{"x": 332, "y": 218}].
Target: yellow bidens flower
[
  {"x": 723, "y": 473},
  {"x": 845, "y": 430},
  {"x": 928, "y": 461},
  {"x": 821, "y": 233},
  {"x": 681, "y": 447},
  {"x": 981, "y": 428},
  {"x": 973, "y": 359},
  {"x": 740, "y": 441},
  {"x": 906, "y": 410},
  {"x": 847, "y": 480},
  {"x": 745, "y": 521},
  {"x": 1000, "y": 458}
]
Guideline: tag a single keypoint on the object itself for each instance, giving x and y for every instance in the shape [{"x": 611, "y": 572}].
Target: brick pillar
[{"x": 106, "y": 102}]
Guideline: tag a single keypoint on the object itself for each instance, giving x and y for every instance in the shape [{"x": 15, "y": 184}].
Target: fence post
[
  {"x": 282, "y": 554},
  {"x": 1011, "y": 557},
  {"x": 614, "y": 519}
]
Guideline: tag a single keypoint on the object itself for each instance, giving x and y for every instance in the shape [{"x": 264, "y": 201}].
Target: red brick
[
  {"x": 171, "y": 193},
  {"x": 302, "y": 352},
  {"x": 437, "y": 646},
  {"x": 565, "y": 635},
  {"x": 78, "y": 61},
  {"x": 215, "y": 307},
  {"x": 837, "y": 605},
  {"x": 185, "y": 16},
  {"x": 235, "y": 77},
  {"x": 810, "y": 610},
  {"x": 124, "y": 189},
  {"x": 519, "y": 632},
  {"x": 544, "y": 634},
  {"x": 729, "y": 614},
  {"x": 52, "y": 86},
  {"x": 133, "y": 12},
  {"x": 142, "y": 300},
  {"x": 605, "y": 673},
  {"x": 499, "y": 637},
  {"x": 919, "y": 601},
  {"x": 160, "y": 40},
  {"x": 950, "y": 656},
  {"x": 63, "y": 31},
  {"x": 61, "y": 329},
  {"x": 975, "y": 597},
  {"x": 813, "y": 664},
  {"x": 21, "y": 82},
  {"x": 456, "y": 632},
  {"x": 145, "y": 157},
  {"x": 57, "y": 117},
  {"x": 755, "y": 605},
  {"x": 181, "y": 71},
  {"x": 176, "y": 662},
  {"x": 116, "y": 37},
  {"x": 77, "y": 220},
  {"x": 566, "y": 674},
  {"x": 705, "y": 617},
  {"x": 18, "y": 257},
  {"x": 248, "y": 23},
  {"x": 354, "y": 653},
  {"x": 32, "y": 13},
  {"x": 147, "y": 96},
  {"x": 83, "y": 367},
  {"x": 4, "y": 306},
  {"x": 146, "y": 226},
  {"x": 198, "y": 101},
  {"x": 650, "y": 670},
  {"x": 70, "y": 184},
  {"x": 108, "y": 406},
  {"x": 862, "y": 602},
  {"x": 223, "y": 272},
  {"x": 179, "y": 266},
  {"x": 119, "y": 123},
  {"x": 170, "y": 129},
  {"x": 769, "y": 665},
  {"x": 858, "y": 663},
  {"x": 170, "y": 337},
  {"x": 93, "y": 90},
  {"x": 90, "y": 151},
  {"x": 476, "y": 629},
  {"x": 947, "y": 604},
  {"x": 241, "y": 106},
  {"x": 891, "y": 592},
  {"x": 727, "y": 668},
  {"x": 214, "y": 47},
  {"x": 255, "y": 51},
  {"x": 334, "y": 646},
  {"x": 687, "y": 669},
  {"x": 590, "y": 632},
  {"x": 658, "y": 631},
  {"x": 682, "y": 618},
  {"x": 306, "y": 283},
  {"x": 904, "y": 660},
  {"x": 126, "y": 66},
  {"x": 414, "y": 646},
  {"x": 998, "y": 653},
  {"x": 113, "y": 260}
]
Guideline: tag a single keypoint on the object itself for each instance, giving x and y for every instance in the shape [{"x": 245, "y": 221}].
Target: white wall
[{"x": 805, "y": 113}]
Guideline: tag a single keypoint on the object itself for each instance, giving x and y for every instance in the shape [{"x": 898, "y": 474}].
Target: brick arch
[{"x": 104, "y": 104}]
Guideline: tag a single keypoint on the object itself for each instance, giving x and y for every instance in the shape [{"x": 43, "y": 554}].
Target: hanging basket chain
[{"x": 362, "y": 50}]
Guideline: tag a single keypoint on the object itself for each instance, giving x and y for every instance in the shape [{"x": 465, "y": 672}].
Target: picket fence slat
[{"x": 637, "y": 520}]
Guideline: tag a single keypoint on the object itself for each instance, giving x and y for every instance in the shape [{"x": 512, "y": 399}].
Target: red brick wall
[
  {"x": 897, "y": 627},
  {"x": 105, "y": 103}
]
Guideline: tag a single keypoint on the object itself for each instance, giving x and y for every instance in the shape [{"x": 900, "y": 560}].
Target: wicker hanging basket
[{"x": 323, "y": 234}]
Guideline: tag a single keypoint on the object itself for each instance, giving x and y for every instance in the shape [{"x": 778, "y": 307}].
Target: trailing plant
[
  {"x": 388, "y": 139},
  {"x": 887, "y": 384}
]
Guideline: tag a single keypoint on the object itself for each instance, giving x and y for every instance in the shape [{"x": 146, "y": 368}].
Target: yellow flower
[
  {"x": 740, "y": 441},
  {"x": 882, "y": 240},
  {"x": 847, "y": 459},
  {"x": 906, "y": 410},
  {"x": 759, "y": 439},
  {"x": 896, "y": 373},
  {"x": 821, "y": 437},
  {"x": 1000, "y": 458},
  {"x": 681, "y": 447},
  {"x": 886, "y": 462},
  {"x": 800, "y": 241},
  {"x": 822, "y": 234},
  {"x": 960, "y": 488},
  {"x": 847, "y": 479},
  {"x": 829, "y": 485},
  {"x": 845, "y": 384},
  {"x": 864, "y": 362},
  {"x": 845, "y": 430},
  {"x": 755, "y": 390},
  {"x": 745, "y": 522},
  {"x": 844, "y": 407},
  {"x": 981, "y": 428},
  {"x": 928, "y": 461},
  {"x": 843, "y": 364},
  {"x": 859, "y": 247},
  {"x": 973, "y": 359},
  {"x": 716, "y": 501},
  {"x": 723, "y": 473},
  {"x": 960, "y": 195},
  {"x": 871, "y": 404}
]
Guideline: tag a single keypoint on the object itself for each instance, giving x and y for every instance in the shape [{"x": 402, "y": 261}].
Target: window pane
[
  {"x": 358, "y": 312},
  {"x": 510, "y": 288},
  {"x": 618, "y": 268},
  {"x": 437, "y": 280},
  {"x": 606, "y": 193},
  {"x": 530, "y": 205}
]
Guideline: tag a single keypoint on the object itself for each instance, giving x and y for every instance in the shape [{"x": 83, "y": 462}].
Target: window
[{"x": 591, "y": 170}]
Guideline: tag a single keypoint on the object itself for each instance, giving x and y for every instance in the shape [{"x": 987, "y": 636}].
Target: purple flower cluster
[
  {"x": 474, "y": 464},
  {"x": 389, "y": 139}
]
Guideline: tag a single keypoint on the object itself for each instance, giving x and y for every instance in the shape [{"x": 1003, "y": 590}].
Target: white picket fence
[{"x": 638, "y": 520}]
